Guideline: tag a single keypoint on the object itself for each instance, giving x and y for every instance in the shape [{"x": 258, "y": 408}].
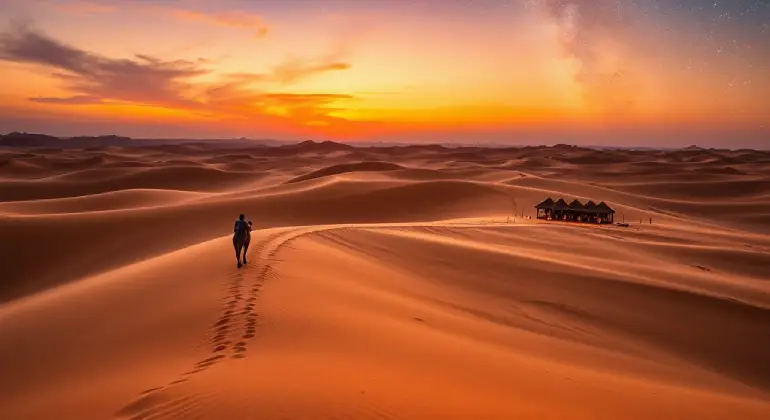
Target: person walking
[{"x": 241, "y": 238}]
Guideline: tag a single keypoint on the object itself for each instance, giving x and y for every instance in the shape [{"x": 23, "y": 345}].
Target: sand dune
[
  {"x": 742, "y": 188},
  {"x": 349, "y": 167},
  {"x": 83, "y": 243},
  {"x": 383, "y": 283},
  {"x": 102, "y": 180},
  {"x": 113, "y": 200}
]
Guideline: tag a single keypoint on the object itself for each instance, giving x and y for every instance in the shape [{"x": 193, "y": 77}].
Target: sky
[{"x": 598, "y": 72}]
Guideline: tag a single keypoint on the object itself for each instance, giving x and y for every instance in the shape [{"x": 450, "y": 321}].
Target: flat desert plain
[{"x": 383, "y": 283}]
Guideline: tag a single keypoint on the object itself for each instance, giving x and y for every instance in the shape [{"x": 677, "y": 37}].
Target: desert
[{"x": 390, "y": 282}]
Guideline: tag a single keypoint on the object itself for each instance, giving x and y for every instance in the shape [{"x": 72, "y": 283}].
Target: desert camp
[{"x": 575, "y": 211}]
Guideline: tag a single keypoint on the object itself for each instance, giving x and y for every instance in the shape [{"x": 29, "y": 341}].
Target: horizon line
[{"x": 365, "y": 143}]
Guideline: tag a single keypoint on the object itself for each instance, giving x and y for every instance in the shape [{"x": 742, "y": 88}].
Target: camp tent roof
[
  {"x": 604, "y": 208},
  {"x": 589, "y": 207},
  {"x": 561, "y": 205},
  {"x": 546, "y": 203}
]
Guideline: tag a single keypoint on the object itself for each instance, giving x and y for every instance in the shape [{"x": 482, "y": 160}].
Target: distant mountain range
[{"x": 17, "y": 139}]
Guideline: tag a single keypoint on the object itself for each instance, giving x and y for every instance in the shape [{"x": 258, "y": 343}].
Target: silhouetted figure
[{"x": 241, "y": 238}]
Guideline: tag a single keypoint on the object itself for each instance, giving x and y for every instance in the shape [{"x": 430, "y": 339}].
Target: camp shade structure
[{"x": 575, "y": 211}]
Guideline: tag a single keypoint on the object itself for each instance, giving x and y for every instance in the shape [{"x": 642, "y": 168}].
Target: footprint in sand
[
  {"x": 155, "y": 402},
  {"x": 161, "y": 404},
  {"x": 207, "y": 363},
  {"x": 147, "y": 391},
  {"x": 217, "y": 339}
]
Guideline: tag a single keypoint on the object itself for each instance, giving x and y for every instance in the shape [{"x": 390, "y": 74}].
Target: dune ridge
[
  {"x": 383, "y": 283},
  {"x": 345, "y": 168}
]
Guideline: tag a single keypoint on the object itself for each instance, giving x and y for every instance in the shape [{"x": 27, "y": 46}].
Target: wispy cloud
[
  {"x": 146, "y": 80},
  {"x": 240, "y": 19},
  {"x": 238, "y": 99},
  {"x": 141, "y": 78},
  {"x": 294, "y": 69},
  {"x": 71, "y": 100},
  {"x": 231, "y": 18},
  {"x": 307, "y": 107}
]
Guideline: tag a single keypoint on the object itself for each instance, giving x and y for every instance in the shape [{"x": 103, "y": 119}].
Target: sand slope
[{"x": 382, "y": 284}]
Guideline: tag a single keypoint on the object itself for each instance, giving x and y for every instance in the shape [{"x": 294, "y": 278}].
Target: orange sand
[{"x": 383, "y": 283}]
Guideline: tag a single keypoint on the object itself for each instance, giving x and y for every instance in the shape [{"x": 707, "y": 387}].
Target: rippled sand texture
[{"x": 383, "y": 283}]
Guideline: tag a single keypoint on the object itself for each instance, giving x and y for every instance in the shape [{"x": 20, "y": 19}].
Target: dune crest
[{"x": 348, "y": 167}]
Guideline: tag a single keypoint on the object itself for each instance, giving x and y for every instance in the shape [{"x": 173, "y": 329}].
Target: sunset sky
[{"x": 602, "y": 72}]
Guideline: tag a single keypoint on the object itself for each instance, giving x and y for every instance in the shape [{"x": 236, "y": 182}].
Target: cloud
[
  {"x": 293, "y": 70},
  {"x": 304, "y": 107},
  {"x": 237, "y": 88},
  {"x": 82, "y": 7},
  {"x": 227, "y": 18},
  {"x": 306, "y": 98},
  {"x": 310, "y": 109},
  {"x": 72, "y": 100},
  {"x": 141, "y": 79},
  {"x": 25, "y": 46},
  {"x": 595, "y": 33},
  {"x": 232, "y": 18},
  {"x": 146, "y": 80}
]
